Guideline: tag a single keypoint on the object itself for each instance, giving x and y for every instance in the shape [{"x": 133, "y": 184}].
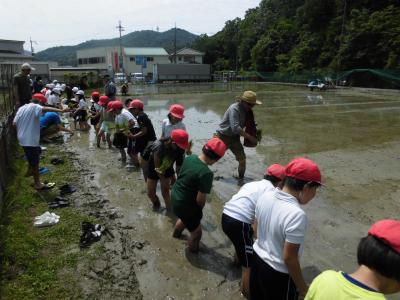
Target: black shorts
[
  {"x": 267, "y": 283},
  {"x": 120, "y": 140},
  {"x": 80, "y": 115},
  {"x": 32, "y": 155},
  {"x": 190, "y": 222},
  {"x": 154, "y": 175},
  {"x": 241, "y": 235}
]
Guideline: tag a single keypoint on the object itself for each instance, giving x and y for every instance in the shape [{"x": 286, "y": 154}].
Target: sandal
[
  {"x": 57, "y": 161},
  {"x": 46, "y": 186},
  {"x": 67, "y": 189}
]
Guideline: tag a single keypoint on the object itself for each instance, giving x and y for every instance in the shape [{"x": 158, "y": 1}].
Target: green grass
[{"x": 39, "y": 263}]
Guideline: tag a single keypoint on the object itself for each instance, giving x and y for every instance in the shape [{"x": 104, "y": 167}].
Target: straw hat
[{"x": 250, "y": 97}]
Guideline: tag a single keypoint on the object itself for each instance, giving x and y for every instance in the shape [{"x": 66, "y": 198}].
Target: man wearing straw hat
[{"x": 232, "y": 126}]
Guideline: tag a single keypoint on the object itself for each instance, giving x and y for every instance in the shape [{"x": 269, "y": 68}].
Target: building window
[
  {"x": 180, "y": 58},
  {"x": 150, "y": 58},
  {"x": 91, "y": 60},
  {"x": 132, "y": 59}
]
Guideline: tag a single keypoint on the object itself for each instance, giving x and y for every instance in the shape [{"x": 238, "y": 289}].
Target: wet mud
[{"x": 352, "y": 134}]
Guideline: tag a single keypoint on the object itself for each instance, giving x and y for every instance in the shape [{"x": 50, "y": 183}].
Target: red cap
[
  {"x": 103, "y": 100},
  {"x": 113, "y": 105},
  {"x": 217, "y": 146},
  {"x": 276, "y": 170},
  {"x": 388, "y": 231},
  {"x": 95, "y": 94},
  {"x": 39, "y": 96},
  {"x": 181, "y": 138},
  {"x": 303, "y": 169},
  {"x": 136, "y": 103},
  {"x": 176, "y": 110}
]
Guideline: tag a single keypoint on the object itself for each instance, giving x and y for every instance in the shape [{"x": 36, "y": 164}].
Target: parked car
[
  {"x": 137, "y": 77},
  {"x": 120, "y": 78}
]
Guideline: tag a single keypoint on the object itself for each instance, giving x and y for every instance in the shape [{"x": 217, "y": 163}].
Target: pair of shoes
[
  {"x": 44, "y": 170},
  {"x": 46, "y": 186},
  {"x": 59, "y": 202},
  {"x": 90, "y": 234},
  {"x": 46, "y": 219},
  {"x": 57, "y": 161},
  {"x": 67, "y": 189}
]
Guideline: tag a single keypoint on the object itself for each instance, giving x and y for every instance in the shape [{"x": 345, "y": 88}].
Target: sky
[{"x": 61, "y": 23}]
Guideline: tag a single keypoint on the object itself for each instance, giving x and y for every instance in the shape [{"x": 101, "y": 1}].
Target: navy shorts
[
  {"x": 241, "y": 235},
  {"x": 191, "y": 222},
  {"x": 32, "y": 155},
  {"x": 267, "y": 283}
]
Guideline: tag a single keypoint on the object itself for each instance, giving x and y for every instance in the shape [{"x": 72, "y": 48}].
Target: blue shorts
[{"x": 32, "y": 155}]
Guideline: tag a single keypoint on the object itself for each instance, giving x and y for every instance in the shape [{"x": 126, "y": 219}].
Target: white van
[
  {"x": 120, "y": 78},
  {"x": 137, "y": 77}
]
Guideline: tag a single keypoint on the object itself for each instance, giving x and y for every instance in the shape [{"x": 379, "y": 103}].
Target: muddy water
[{"x": 353, "y": 135}]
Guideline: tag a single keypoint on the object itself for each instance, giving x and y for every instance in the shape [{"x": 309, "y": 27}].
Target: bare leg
[
  {"x": 151, "y": 192},
  {"x": 245, "y": 283},
  {"x": 194, "y": 240},
  {"x": 123, "y": 154},
  {"x": 108, "y": 138},
  {"x": 242, "y": 168},
  {"x": 179, "y": 227},
  {"x": 145, "y": 168},
  {"x": 165, "y": 191}
]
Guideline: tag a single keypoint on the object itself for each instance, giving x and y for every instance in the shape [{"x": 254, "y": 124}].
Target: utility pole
[
  {"x": 175, "y": 44},
  {"x": 32, "y": 50},
  {"x": 121, "y": 59}
]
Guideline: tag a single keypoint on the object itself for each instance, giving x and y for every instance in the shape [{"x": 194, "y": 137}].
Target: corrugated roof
[
  {"x": 188, "y": 51},
  {"x": 145, "y": 51}
]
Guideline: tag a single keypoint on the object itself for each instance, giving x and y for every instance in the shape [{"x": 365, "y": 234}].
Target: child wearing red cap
[
  {"x": 378, "y": 273},
  {"x": 140, "y": 138},
  {"x": 174, "y": 120},
  {"x": 190, "y": 189},
  {"x": 160, "y": 157},
  {"x": 124, "y": 121},
  {"x": 238, "y": 217},
  {"x": 106, "y": 122},
  {"x": 95, "y": 111},
  {"x": 281, "y": 227}
]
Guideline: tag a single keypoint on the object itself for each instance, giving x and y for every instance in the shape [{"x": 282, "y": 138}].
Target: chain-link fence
[{"x": 7, "y": 132}]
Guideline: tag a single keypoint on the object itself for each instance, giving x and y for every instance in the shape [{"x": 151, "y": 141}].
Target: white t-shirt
[
  {"x": 279, "y": 219},
  {"x": 124, "y": 117},
  {"x": 82, "y": 104},
  {"x": 167, "y": 127},
  {"x": 27, "y": 120},
  {"x": 48, "y": 92},
  {"x": 242, "y": 205},
  {"x": 53, "y": 100}
]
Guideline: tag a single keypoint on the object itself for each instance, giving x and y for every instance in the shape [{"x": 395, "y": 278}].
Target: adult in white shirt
[
  {"x": 238, "y": 217},
  {"x": 281, "y": 227},
  {"x": 174, "y": 120},
  {"x": 27, "y": 121}
]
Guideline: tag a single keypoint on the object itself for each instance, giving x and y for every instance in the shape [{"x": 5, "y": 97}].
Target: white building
[
  {"x": 12, "y": 53},
  {"x": 189, "y": 56},
  {"x": 135, "y": 59}
]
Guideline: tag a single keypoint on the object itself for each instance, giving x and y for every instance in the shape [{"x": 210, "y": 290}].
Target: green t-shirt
[
  {"x": 333, "y": 285},
  {"x": 24, "y": 88},
  {"x": 194, "y": 177}
]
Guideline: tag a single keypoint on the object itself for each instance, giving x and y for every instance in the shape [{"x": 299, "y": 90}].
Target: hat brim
[
  {"x": 183, "y": 146},
  {"x": 177, "y": 116},
  {"x": 258, "y": 102}
]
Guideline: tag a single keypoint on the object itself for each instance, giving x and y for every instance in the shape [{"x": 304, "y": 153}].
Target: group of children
[{"x": 264, "y": 220}]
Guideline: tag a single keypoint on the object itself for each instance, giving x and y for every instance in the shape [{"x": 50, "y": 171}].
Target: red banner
[{"x": 116, "y": 62}]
